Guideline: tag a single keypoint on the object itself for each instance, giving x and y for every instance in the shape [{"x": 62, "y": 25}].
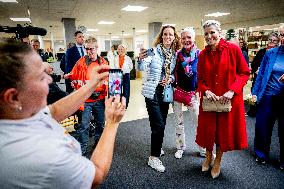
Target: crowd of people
[{"x": 178, "y": 73}]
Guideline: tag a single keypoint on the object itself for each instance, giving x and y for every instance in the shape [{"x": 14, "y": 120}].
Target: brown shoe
[
  {"x": 215, "y": 171},
  {"x": 206, "y": 164}
]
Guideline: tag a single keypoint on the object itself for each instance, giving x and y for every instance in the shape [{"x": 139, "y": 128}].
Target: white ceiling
[{"x": 49, "y": 13}]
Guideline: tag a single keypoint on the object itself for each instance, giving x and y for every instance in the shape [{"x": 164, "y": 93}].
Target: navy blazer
[{"x": 71, "y": 57}]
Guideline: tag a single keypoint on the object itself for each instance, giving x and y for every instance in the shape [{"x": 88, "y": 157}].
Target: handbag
[
  {"x": 168, "y": 93},
  {"x": 183, "y": 96},
  {"x": 215, "y": 106}
]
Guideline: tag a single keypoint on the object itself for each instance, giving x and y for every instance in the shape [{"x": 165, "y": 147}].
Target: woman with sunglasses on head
[
  {"x": 268, "y": 92},
  {"x": 222, "y": 74},
  {"x": 160, "y": 66},
  {"x": 95, "y": 104},
  {"x": 124, "y": 62}
]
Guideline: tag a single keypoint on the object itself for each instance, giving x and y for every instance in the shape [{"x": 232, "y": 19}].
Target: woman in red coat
[{"x": 222, "y": 74}]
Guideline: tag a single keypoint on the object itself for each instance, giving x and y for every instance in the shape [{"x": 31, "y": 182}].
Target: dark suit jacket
[{"x": 71, "y": 57}]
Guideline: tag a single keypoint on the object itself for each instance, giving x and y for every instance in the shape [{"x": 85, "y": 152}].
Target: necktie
[{"x": 82, "y": 52}]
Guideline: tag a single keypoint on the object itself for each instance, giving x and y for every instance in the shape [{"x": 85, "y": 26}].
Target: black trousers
[{"x": 157, "y": 111}]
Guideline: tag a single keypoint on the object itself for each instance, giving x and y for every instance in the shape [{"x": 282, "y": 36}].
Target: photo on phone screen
[
  {"x": 115, "y": 82},
  {"x": 150, "y": 52}
]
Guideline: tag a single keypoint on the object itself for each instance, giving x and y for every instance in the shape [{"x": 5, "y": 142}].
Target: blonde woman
[{"x": 124, "y": 62}]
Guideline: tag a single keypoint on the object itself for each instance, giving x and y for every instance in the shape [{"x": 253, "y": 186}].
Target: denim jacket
[{"x": 153, "y": 66}]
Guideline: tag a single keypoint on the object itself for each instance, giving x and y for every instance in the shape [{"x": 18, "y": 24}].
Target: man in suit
[
  {"x": 36, "y": 46},
  {"x": 72, "y": 55}
]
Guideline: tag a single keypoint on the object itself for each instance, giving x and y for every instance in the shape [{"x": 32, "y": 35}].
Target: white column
[
  {"x": 52, "y": 44},
  {"x": 122, "y": 36},
  {"x": 41, "y": 42}
]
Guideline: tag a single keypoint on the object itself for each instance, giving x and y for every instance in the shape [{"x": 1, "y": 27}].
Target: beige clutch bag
[{"x": 215, "y": 106}]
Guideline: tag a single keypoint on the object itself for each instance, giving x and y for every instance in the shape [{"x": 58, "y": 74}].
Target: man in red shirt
[{"x": 95, "y": 105}]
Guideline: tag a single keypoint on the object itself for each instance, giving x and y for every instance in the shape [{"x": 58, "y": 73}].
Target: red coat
[{"x": 220, "y": 71}]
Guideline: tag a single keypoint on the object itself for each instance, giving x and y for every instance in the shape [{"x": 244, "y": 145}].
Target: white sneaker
[
  {"x": 162, "y": 152},
  {"x": 202, "y": 152},
  {"x": 156, "y": 164},
  {"x": 178, "y": 154}
]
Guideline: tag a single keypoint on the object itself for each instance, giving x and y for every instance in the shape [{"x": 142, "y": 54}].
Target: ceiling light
[
  {"x": 9, "y": 1},
  {"x": 106, "y": 22},
  {"x": 217, "y": 14},
  {"x": 134, "y": 8},
  {"x": 141, "y": 31},
  {"x": 21, "y": 19},
  {"x": 169, "y": 25},
  {"x": 257, "y": 26},
  {"x": 92, "y": 30},
  {"x": 114, "y": 37}
]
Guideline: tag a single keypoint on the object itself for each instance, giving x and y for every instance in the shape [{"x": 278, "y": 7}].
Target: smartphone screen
[{"x": 115, "y": 82}]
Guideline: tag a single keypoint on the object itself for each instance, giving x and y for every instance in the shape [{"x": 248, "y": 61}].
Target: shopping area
[{"x": 112, "y": 23}]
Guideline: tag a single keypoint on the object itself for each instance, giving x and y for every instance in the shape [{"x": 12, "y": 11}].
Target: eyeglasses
[
  {"x": 273, "y": 41},
  {"x": 281, "y": 35},
  {"x": 91, "y": 49}
]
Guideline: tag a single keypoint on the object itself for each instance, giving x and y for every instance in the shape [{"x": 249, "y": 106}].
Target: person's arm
[
  {"x": 143, "y": 60},
  {"x": 258, "y": 81},
  {"x": 68, "y": 105},
  {"x": 103, "y": 153},
  {"x": 130, "y": 64},
  {"x": 242, "y": 72}
]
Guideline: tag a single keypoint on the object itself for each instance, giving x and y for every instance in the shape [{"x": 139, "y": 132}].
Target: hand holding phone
[{"x": 115, "y": 82}]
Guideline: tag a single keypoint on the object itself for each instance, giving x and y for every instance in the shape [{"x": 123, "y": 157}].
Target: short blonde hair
[
  {"x": 212, "y": 23},
  {"x": 189, "y": 30},
  {"x": 91, "y": 40}
]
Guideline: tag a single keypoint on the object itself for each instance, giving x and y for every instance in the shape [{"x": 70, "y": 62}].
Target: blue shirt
[{"x": 274, "y": 86}]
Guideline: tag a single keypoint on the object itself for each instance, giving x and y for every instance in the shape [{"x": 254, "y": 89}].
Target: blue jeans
[
  {"x": 126, "y": 87},
  {"x": 269, "y": 109},
  {"x": 97, "y": 110}
]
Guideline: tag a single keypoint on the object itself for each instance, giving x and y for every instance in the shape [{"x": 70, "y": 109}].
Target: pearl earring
[{"x": 19, "y": 108}]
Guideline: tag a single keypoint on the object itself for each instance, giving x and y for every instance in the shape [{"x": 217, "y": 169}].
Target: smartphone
[
  {"x": 115, "y": 82},
  {"x": 150, "y": 52}
]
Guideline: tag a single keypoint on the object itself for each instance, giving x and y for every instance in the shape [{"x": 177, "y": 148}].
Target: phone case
[
  {"x": 150, "y": 52},
  {"x": 115, "y": 82}
]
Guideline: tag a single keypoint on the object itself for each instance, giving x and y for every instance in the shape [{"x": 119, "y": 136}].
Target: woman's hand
[
  {"x": 143, "y": 53},
  {"x": 281, "y": 79},
  {"x": 211, "y": 96},
  {"x": 254, "y": 98},
  {"x": 67, "y": 76},
  {"x": 163, "y": 82},
  {"x": 227, "y": 97},
  {"x": 115, "y": 109}
]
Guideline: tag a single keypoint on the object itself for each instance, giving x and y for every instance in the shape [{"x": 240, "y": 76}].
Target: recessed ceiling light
[
  {"x": 106, "y": 22},
  {"x": 134, "y": 8},
  {"x": 257, "y": 26},
  {"x": 114, "y": 37},
  {"x": 141, "y": 31},
  {"x": 21, "y": 19},
  {"x": 217, "y": 14},
  {"x": 9, "y": 1},
  {"x": 169, "y": 25},
  {"x": 92, "y": 30}
]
